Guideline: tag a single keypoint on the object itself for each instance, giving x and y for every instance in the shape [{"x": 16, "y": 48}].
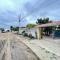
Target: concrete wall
[
  {"x": 28, "y": 31},
  {"x": 21, "y": 30},
  {"x": 31, "y": 31}
]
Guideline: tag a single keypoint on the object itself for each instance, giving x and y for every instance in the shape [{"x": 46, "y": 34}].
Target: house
[{"x": 39, "y": 27}]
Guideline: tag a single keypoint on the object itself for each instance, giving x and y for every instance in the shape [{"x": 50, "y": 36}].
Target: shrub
[
  {"x": 30, "y": 36},
  {"x": 25, "y": 34}
]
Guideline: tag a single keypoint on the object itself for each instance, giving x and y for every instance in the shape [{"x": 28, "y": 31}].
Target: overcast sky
[{"x": 29, "y": 10}]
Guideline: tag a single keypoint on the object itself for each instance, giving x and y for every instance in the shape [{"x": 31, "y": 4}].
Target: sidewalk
[{"x": 45, "y": 49}]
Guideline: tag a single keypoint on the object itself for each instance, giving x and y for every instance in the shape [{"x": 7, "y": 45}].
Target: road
[{"x": 14, "y": 49}]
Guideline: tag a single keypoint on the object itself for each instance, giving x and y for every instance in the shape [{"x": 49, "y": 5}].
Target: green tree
[
  {"x": 39, "y": 21},
  {"x": 11, "y": 28},
  {"x": 44, "y": 21},
  {"x": 16, "y": 29},
  {"x": 2, "y": 30},
  {"x": 30, "y": 25}
]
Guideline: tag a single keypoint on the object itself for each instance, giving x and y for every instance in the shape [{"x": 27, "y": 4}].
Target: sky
[{"x": 28, "y": 11}]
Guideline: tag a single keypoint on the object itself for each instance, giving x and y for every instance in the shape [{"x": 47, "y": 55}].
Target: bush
[
  {"x": 25, "y": 34},
  {"x": 30, "y": 36}
]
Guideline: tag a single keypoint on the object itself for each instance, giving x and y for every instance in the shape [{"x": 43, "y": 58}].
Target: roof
[
  {"x": 22, "y": 27},
  {"x": 55, "y": 23}
]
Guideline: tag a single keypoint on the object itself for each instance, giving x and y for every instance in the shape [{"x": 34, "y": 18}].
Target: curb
[{"x": 28, "y": 47}]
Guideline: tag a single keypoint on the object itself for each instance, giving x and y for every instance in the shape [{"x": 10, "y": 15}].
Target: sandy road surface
[{"x": 16, "y": 50}]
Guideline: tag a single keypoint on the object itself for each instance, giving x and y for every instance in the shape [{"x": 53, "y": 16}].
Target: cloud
[{"x": 29, "y": 10}]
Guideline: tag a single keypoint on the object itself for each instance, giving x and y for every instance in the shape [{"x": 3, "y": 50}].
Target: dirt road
[{"x": 15, "y": 49}]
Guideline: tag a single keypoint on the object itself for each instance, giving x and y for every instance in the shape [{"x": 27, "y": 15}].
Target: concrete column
[{"x": 39, "y": 33}]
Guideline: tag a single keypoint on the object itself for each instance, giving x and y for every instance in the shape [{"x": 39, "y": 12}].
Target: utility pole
[{"x": 19, "y": 18}]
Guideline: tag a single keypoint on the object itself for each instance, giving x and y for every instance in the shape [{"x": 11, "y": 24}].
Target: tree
[
  {"x": 11, "y": 28},
  {"x": 47, "y": 30},
  {"x": 30, "y": 25},
  {"x": 2, "y": 30},
  {"x": 46, "y": 20},
  {"x": 42, "y": 21},
  {"x": 39, "y": 21},
  {"x": 14, "y": 28}
]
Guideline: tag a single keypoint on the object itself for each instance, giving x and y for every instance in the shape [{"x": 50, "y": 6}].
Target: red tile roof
[{"x": 55, "y": 23}]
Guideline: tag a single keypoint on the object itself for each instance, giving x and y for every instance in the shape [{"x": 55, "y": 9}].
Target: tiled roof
[{"x": 55, "y": 23}]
